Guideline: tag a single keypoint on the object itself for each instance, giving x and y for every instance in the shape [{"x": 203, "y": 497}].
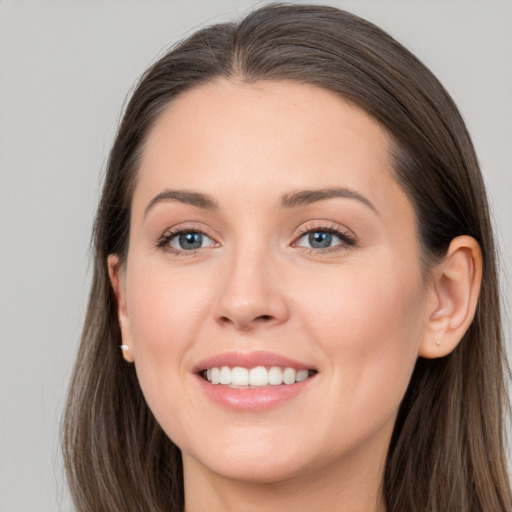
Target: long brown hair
[{"x": 447, "y": 450}]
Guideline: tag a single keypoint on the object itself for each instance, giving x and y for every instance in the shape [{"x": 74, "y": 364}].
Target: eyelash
[
  {"x": 347, "y": 239},
  {"x": 165, "y": 240}
]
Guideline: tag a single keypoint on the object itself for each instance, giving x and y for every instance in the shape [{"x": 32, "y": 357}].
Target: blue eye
[
  {"x": 187, "y": 241},
  {"x": 320, "y": 239},
  {"x": 324, "y": 239}
]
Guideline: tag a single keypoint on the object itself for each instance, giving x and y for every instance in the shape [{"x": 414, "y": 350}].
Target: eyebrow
[
  {"x": 290, "y": 200},
  {"x": 197, "y": 199},
  {"x": 305, "y": 197}
]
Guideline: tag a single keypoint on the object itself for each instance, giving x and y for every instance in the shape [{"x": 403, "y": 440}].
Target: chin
[
  {"x": 258, "y": 470},
  {"x": 259, "y": 461}
]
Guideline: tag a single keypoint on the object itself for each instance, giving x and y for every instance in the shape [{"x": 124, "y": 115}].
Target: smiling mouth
[{"x": 256, "y": 377}]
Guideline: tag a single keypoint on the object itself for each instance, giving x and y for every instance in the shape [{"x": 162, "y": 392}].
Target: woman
[{"x": 294, "y": 253}]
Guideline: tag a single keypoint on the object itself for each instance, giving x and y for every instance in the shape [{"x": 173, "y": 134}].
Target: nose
[{"x": 252, "y": 294}]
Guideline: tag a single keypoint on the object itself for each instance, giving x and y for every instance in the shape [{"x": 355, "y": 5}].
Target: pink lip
[
  {"x": 250, "y": 360},
  {"x": 251, "y": 399}
]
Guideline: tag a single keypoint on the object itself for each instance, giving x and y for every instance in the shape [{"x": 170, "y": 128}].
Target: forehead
[{"x": 265, "y": 139}]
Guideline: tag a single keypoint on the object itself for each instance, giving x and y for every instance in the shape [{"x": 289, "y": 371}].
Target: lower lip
[{"x": 252, "y": 399}]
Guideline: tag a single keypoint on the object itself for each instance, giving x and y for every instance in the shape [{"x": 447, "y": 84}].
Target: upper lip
[{"x": 250, "y": 360}]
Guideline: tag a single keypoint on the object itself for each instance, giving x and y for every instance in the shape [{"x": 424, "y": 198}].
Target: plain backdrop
[{"x": 65, "y": 70}]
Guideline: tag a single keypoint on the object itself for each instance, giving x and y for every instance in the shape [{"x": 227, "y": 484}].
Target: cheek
[
  {"x": 357, "y": 305},
  {"x": 165, "y": 310},
  {"x": 164, "y": 307},
  {"x": 370, "y": 330}
]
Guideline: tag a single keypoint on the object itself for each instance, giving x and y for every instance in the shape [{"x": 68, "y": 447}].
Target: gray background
[{"x": 65, "y": 69}]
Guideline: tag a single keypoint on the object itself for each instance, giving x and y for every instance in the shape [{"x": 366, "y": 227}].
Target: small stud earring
[
  {"x": 438, "y": 343},
  {"x": 124, "y": 347}
]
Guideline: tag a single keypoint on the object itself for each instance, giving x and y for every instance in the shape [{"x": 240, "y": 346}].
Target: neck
[{"x": 342, "y": 486}]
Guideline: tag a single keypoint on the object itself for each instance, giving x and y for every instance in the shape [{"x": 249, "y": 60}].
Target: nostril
[
  {"x": 244, "y": 323},
  {"x": 264, "y": 318}
]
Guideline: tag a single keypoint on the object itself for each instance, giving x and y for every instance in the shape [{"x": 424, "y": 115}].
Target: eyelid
[
  {"x": 347, "y": 236},
  {"x": 163, "y": 240},
  {"x": 325, "y": 225}
]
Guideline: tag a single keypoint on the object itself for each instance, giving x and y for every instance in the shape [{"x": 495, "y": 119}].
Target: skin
[{"x": 360, "y": 313}]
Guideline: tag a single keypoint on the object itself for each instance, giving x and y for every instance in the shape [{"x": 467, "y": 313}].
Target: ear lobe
[
  {"x": 117, "y": 279},
  {"x": 455, "y": 285}
]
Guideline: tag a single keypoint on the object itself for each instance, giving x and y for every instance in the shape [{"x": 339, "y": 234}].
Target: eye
[
  {"x": 185, "y": 241},
  {"x": 189, "y": 241},
  {"x": 322, "y": 238}
]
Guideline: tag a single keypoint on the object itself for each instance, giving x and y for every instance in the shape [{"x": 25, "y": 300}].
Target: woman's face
[{"x": 268, "y": 234}]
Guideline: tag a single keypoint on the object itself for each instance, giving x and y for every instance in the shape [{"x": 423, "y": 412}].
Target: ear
[
  {"x": 117, "y": 279},
  {"x": 455, "y": 288}
]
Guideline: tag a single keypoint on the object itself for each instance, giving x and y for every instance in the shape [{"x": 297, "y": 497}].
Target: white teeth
[
  {"x": 225, "y": 375},
  {"x": 301, "y": 375},
  {"x": 289, "y": 375},
  {"x": 275, "y": 376},
  {"x": 215, "y": 375},
  {"x": 258, "y": 376},
  {"x": 239, "y": 376}
]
